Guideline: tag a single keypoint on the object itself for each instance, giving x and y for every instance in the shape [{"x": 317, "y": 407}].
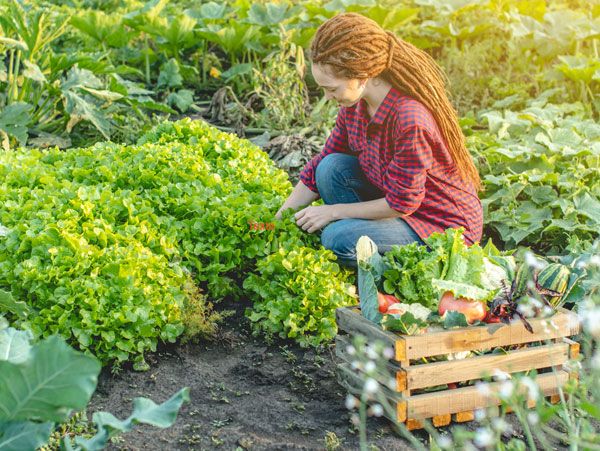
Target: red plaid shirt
[{"x": 401, "y": 151}]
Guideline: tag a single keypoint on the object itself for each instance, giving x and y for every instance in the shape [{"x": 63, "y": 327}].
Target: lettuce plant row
[{"x": 103, "y": 243}]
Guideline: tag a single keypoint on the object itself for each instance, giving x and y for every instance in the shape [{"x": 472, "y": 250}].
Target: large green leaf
[
  {"x": 14, "y": 120},
  {"x": 15, "y": 345},
  {"x": 8, "y": 303},
  {"x": 79, "y": 108},
  {"x": 23, "y": 435},
  {"x": 169, "y": 75},
  {"x": 54, "y": 380},
  {"x": 145, "y": 411}
]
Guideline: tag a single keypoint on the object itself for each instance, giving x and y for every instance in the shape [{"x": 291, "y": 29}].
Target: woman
[{"x": 395, "y": 166}]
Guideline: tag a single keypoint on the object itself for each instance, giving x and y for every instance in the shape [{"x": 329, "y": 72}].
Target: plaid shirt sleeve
[
  {"x": 336, "y": 142},
  {"x": 404, "y": 179}
]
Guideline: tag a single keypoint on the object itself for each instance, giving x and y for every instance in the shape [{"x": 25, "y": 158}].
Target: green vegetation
[{"x": 40, "y": 385}]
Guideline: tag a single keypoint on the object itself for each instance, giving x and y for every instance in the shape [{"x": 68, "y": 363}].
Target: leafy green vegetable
[
  {"x": 370, "y": 270},
  {"x": 297, "y": 292},
  {"x": 405, "y": 323},
  {"x": 453, "y": 319}
]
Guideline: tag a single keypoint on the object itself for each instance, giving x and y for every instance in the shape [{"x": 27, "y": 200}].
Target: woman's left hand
[{"x": 311, "y": 219}]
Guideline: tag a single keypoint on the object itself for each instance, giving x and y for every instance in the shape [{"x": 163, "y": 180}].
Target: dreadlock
[{"x": 357, "y": 47}]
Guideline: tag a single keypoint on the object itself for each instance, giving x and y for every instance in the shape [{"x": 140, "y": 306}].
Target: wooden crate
[{"x": 547, "y": 347}]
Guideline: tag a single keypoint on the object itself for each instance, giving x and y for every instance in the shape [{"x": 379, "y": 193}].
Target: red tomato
[
  {"x": 489, "y": 318},
  {"x": 385, "y": 301},
  {"x": 473, "y": 310}
]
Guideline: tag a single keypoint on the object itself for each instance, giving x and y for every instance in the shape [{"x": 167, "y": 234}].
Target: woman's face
[{"x": 346, "y": 92}]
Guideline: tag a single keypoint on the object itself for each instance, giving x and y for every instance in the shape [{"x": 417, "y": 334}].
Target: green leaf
[
  {"x": 370, "y": 270},
  {"x": 14, "y": 120},
  {"x": 405, "y": 323},
  {"x": 33, "y": 72},
  {"x": 15, "y": 345},
  {"x": 454, "y": 319},
  {"x": 463, "y": 290},
  {"x": 182, "y": 99},
  {"x": 24, "y": 435},
  {"x": 52, "y": 381},
  {"x": 592, "y": 409},
  {"x": 169, "y": 75},
  {"x": 80, "y": 109},
  {"x": 145, "y": 411},
  {"x": 8, "y": 303}
]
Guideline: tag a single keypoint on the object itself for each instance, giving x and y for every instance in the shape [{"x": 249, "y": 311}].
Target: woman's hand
[{"x": 311, "y": 219}]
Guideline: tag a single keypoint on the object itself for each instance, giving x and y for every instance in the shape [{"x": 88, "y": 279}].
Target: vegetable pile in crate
[{"x": 454, "y": 314}]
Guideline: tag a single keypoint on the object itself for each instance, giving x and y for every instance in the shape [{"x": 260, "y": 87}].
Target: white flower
[
  {"x": 533, "y": 418},
  {"x": 3, "y": 231},
  {"x": 547, "y": 310},
  {"x": 596, "y": 361},
  {"x": 392, "y": 383},
  {"x": 532, "y": 388},
  {"x": 351, "y": 350},
  {"x": 572, "y": 365},
  {"x": 444, "y": 442},
  {"x": 500, "y": 375},
  {"x": 351, "y": 402},
  {"x": 459, "y": 355},
  {"x": 595, "y": 260},
  {"x": 376, "y": 410},
  {"x": 506, "y": 389},
  {"x": 483, "y": 388},
  {"x": 388, "y": 353},
  {"x": 526, "y": 309},
  {"x": 533, "y": 262},
  {"x": 591, "y": 321},
  {"x": 371, "y": 385},
  {"x": 484, "y": 437},
  {"x": 371, "y": 352},
  {"x": 356, "y": 365},
  {"x": 500, "y": 425},
  {"x": 370, "y": 366},
  {"x": 355, "y": 419},
  {"x": 479, "y": 414}
]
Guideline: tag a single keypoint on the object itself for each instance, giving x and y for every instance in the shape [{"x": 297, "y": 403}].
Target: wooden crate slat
[
  {"x": 350, "y": 380},
  {"x": 486, "y": 336},
  {"x": 439, "y": 373},
  {"x": 351, "y": 321},
  {"x": 469, "y": 398},
  {"x": 341, "y": 344}
]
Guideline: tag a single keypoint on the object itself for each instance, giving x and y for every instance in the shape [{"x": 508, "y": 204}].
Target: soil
[{"x": 246, "y": 394}]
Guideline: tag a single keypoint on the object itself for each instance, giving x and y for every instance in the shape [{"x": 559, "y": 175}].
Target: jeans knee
[
  {"x": 331, "y": 167},
  {"x": 336, "y": 238}
]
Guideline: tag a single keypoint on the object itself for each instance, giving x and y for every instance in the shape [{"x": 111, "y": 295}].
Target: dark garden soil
[{"x": 245, "y": 394}]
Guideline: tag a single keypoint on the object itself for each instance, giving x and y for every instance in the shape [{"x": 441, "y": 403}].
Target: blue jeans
[{"x": 340, "y": 180}]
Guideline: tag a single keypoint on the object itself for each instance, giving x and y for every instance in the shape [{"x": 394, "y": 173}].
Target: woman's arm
[
  {"x": 300, "y": 196},
  {"x": 372, "y": 209}
]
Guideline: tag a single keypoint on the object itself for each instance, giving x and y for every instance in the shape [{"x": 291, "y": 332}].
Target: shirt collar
[{"x": 384, "y": 109}]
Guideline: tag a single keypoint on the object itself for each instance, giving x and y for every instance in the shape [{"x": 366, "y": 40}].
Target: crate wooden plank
[
  {"x": 441, "y": 420},
  {"x": 341, "y": 351},
  {"x": 348, "y": 378},
  {"x": 440, "y": 373},
  {"x": 351, "y": 321},
  {"x": 486, "y": 336},
  {"x": 469, "y": 398},
  {"x": 463, "y": 417}
]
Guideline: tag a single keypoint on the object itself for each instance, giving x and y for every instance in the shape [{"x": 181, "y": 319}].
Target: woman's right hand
[{"x": 301, "y": 196}]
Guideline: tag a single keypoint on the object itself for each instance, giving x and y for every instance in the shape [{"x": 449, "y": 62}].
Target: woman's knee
[
  {"x": 338, "y": 238},
  {"x": 333, "y": 166}
]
